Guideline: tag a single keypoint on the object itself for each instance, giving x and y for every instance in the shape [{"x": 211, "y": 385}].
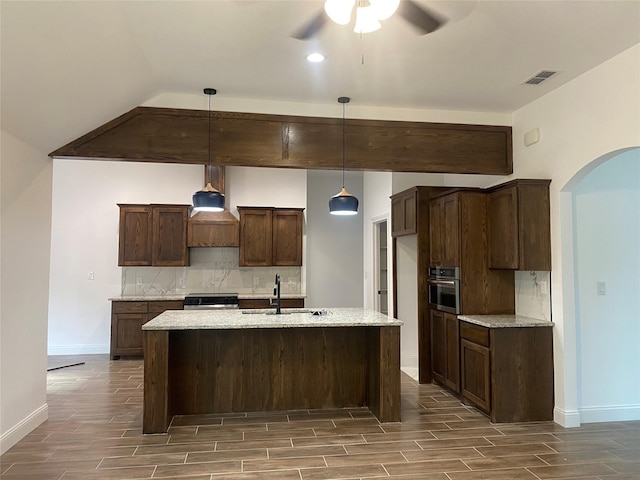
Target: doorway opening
[{"x": 381, "y": 280}]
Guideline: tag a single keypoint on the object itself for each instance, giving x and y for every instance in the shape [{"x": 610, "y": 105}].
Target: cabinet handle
[{"x": 442, "y": 282}]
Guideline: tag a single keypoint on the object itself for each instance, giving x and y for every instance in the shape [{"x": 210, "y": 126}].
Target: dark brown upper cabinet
[
  {"x": 153, "y": 235},
  {"x": 519, "y": 226},
  {"x": 287, "y": 237},
  {"x": 270, "y": 236},
  {"x": 444, "y": 231},
  {"x": 404, "y": 211},
  {"x": 458, "y": 227}
]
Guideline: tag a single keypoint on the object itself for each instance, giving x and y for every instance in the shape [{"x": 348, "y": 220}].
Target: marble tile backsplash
[
  {"x": 533, "y": 294},
  {"x": 212, "y": 270}
]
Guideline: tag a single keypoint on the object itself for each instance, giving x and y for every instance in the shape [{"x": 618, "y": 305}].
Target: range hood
[{"x": 214, "y": 229}]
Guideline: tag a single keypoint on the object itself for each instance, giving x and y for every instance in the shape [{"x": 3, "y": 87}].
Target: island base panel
[
  {"x": 250, "y": 370},
  {"x": 155, "y": 418}
]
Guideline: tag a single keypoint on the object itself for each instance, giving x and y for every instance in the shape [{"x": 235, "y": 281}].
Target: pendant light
[
  {"x": 208, "y": 199},
  {"x": 343, "y": 203}
]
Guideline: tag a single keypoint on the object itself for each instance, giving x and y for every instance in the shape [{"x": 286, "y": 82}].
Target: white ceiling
[{"x": 67, "y": 67}]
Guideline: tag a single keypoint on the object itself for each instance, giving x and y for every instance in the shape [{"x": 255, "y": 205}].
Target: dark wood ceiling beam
[{"x": 149, "y": 134}]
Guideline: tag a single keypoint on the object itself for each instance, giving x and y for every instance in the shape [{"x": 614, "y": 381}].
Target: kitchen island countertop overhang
[
  {"x": 290, "y": 318},
  {"x": 203, "y": 362}
]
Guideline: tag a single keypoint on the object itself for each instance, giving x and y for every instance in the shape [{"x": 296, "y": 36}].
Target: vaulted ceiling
[{"x": 68, "y": 67}]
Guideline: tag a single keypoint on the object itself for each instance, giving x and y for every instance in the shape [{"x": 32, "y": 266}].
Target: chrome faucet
[{"x": 276, "y": 292}]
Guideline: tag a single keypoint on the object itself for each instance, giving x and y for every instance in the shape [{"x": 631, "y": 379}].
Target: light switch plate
[{"x": 601, "y": 287}]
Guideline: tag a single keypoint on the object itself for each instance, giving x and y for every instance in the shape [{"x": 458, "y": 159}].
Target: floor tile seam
[
  {"x": 605, "y": 464},
  {"x": 528, "y": 470}
]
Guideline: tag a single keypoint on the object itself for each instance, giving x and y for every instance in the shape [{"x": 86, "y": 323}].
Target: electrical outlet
[
  {"x": 138, "y": 280},
  {"x": 90, "y": 275},
  {"x": 544, "y": 287},
  {"x": 601, "y": 288},
  {"x": 256, "y": 282}
]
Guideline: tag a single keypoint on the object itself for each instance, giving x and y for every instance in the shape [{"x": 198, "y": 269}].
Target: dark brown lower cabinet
[
  {"x": 476, "y": 376},
  {"x": 508, "y": 372},
  {"x": 445, "y": 350},
  {"x": 127, "y": 318}
]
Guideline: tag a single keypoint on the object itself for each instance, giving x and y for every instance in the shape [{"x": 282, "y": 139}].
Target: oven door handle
[{"x": 442, "y": 282}]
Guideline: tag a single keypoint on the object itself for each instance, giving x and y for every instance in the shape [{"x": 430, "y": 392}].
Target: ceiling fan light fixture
[
  {"x": 339, "y": 10},
  {"x": 384, "y": 8},
  {"x": 208, "y": 199},
  {"x": 366, "y": 20}
]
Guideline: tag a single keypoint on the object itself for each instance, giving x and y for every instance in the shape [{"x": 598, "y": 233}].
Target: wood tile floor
[{"x": 94, "y": 432}]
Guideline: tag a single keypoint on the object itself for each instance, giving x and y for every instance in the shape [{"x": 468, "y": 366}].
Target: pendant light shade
[
  {"x": 343, "y": 203},
  {"x": 208, "y": 199}
]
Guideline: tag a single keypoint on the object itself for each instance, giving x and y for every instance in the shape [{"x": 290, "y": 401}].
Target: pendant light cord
[
  {"x": 209, "y": 115},
  {"x": 343, "y": 143}
]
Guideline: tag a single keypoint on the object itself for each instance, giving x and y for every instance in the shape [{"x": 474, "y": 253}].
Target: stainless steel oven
[{"x": 444, "y": 288}]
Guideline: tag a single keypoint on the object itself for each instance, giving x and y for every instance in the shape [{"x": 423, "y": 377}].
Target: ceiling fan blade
[
  {"x": 423, "y": 20},
  {"x": 311, "y": 28}
]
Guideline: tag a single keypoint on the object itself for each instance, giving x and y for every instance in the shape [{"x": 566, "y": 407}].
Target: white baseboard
[
  {"x": 411, "y": 371},
  {"x": 23, "y": 428},
  {"x": 567, "y": 419},
  {"x": 610, "y": 413},
  {"x": 78, "y": 349}
]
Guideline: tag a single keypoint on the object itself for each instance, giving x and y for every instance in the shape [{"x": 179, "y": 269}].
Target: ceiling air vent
[{"x": 540, "y": 77}]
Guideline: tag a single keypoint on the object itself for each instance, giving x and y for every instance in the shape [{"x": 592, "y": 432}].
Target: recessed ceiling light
[{"x": 315, "y": 57}]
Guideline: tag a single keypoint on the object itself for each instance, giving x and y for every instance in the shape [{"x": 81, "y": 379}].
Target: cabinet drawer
[
  {"x": 161, "y": 306},
  {"x": 129, "y": 307},
  {"x": 474, "y": 333}
]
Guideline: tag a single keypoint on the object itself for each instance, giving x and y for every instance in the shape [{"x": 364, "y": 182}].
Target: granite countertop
[
  {"x": 296, "y": 317},
  {"x": 180, "y": 296},
  {"x": 504, "y": 321}
]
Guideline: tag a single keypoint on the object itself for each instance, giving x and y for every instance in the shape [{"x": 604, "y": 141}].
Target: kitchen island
[{"x": 201, "y": 362}]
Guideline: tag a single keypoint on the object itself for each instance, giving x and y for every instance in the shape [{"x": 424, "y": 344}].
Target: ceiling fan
[{"x": 369, "y": 13}]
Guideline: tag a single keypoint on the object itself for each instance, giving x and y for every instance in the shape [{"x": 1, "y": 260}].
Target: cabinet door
[
  {"x": 135, "y": 236},
  {"x": 287, "y": 237},
  {"x": 502, "y": 234},
  {"x": 170, "y": 236},
  {"x": 438, "y": 346},
  {"x": 476, "y": 374},
  {"x": 397, "y": 222},
  {"x": 409, "y": 213},
  {"x": 126, "y": 333},
  {"x": 450, "y": 232},
  {"x": 452, "y": 352},
  {"x": 435, "y": 232},
  {"x": 255, "y": 237}
]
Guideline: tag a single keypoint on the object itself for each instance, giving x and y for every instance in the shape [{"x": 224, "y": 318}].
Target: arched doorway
[{"x": 605, "y": 232}]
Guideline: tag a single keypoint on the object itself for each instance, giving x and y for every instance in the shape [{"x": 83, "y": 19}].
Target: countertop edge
[
  {"x": 235, "y": 320},
  {"x": 505, "y": 321},
  {"x": 241, "y": 296}
]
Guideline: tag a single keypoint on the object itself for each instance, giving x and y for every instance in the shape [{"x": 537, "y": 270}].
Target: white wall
[
  {"x": 84, "y": 238},
  {"x": 85, "y": 232},
  {"x": 581, "y": 124},
  {"x": 607, "y": 249},
  {"x": 376, "y": 207},
  {"x": 25, "y": 224},
  {"x": 334, "y": 242},
  {"x": 407, "y": 301}
]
